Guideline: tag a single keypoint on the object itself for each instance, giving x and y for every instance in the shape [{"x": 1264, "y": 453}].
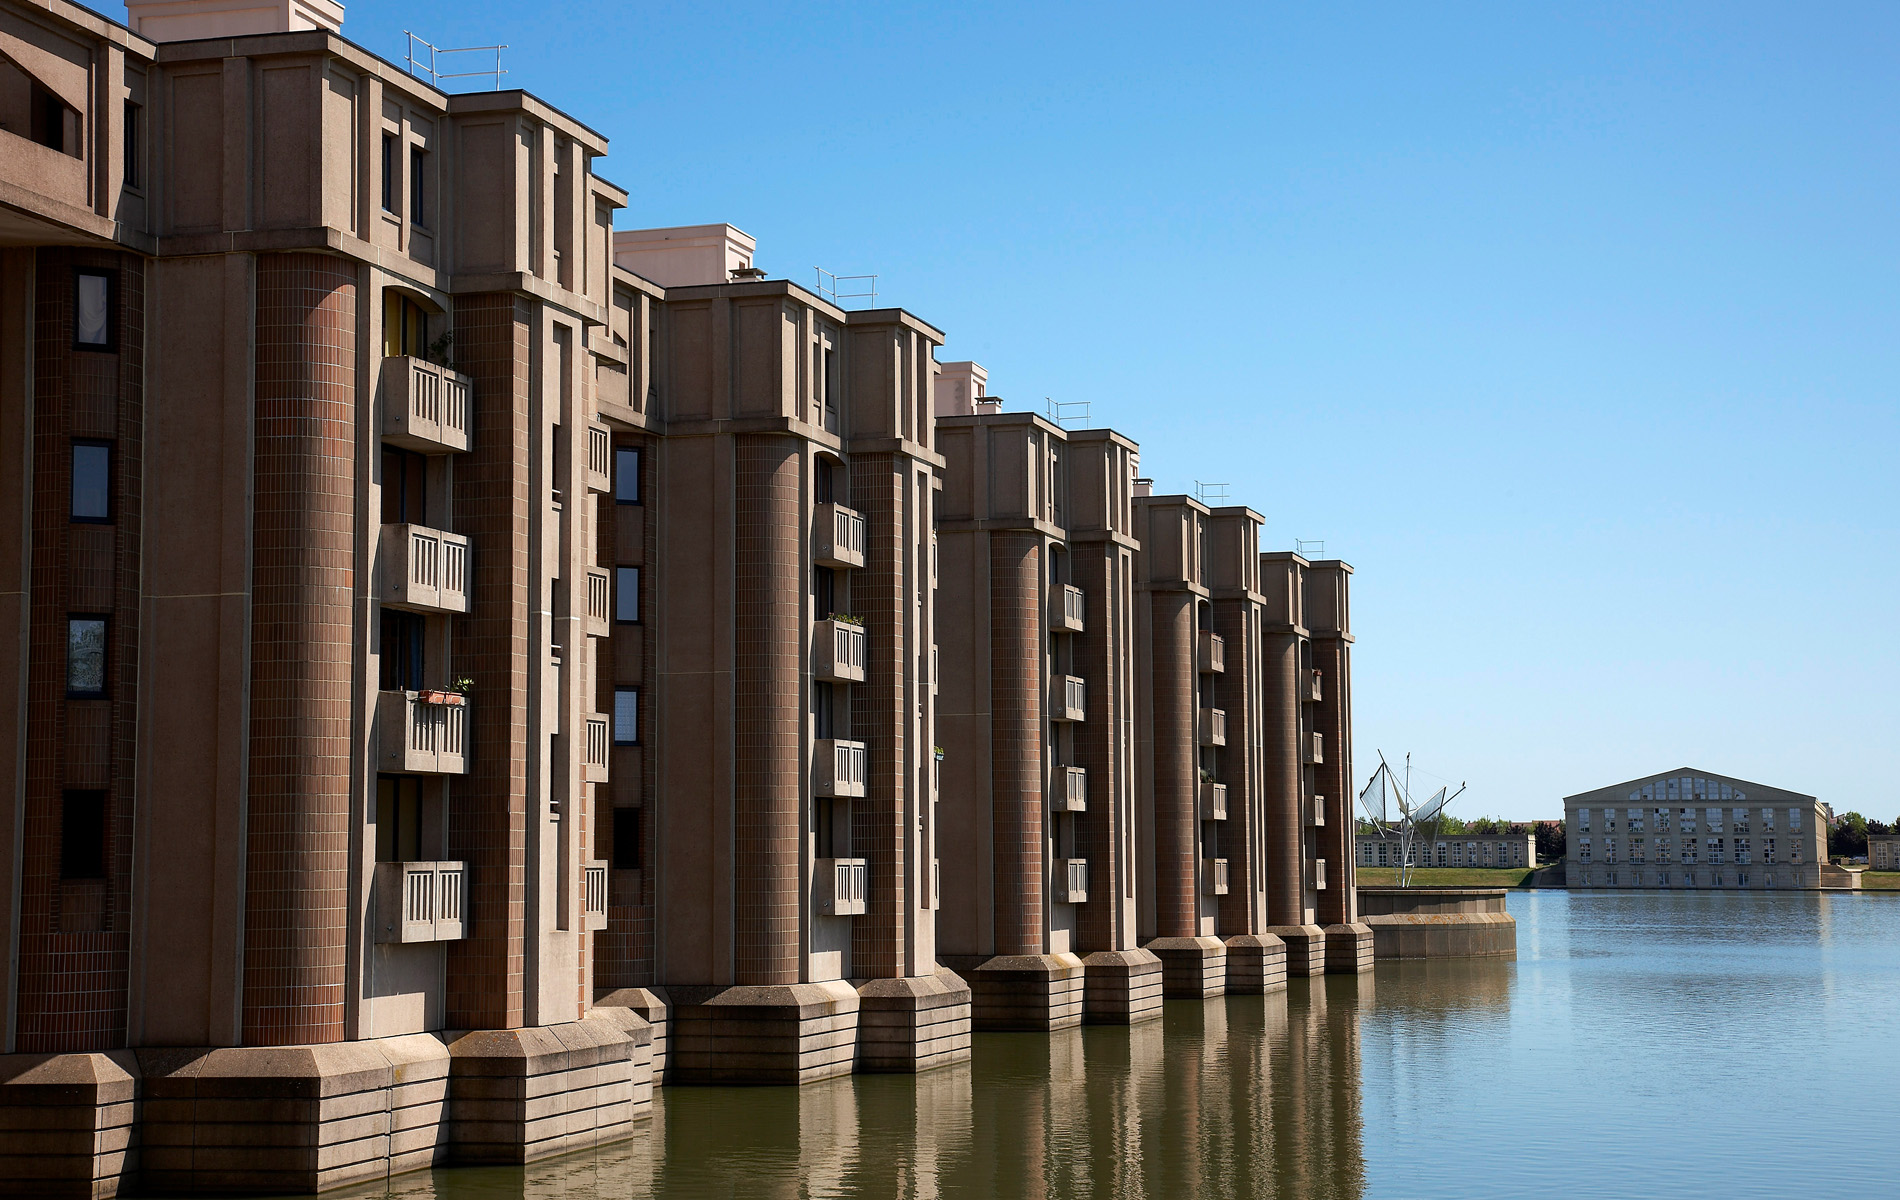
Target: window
[
  {"x": 627, "y": 594},
  {"x": 398, "y": 818},
  {"x": 824, "y": 592},
  {"x": 405, "y": 326},
  {"x": 92, "y": 310},
  {"x": 82, "y": 835},
  {"x": 134, "y": 145},
  {"x": 627, "y": 474},
  {"x": 92, "y": 482},
  {"x": 391, "y": 165},
  {"x": 85, "y": 658},
  {"x": 405, "y": 487},
  {"x": 626, "y": 716},
  {"x": 823, "y": 715},
  {"x": 1583, "y": 820},
  {"x": 402, "y": 651},
  {"x": 627, "y": 839},
  {"x": 417, "y": 212},
  {"x": 1794, "y": 819}
]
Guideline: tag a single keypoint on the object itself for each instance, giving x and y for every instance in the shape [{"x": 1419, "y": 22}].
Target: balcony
[
  {"x": 599, "y": 746},
  {"x": 1313, "y": 749},
  {"x": 1316, "y": 811},
  {"x": 594, "y": 895},
  {"x": 838, "y": 649},
  {"x": 1065, "y": 610},
  {"x": 1072, "y": 881},
  {"x": 599, "y": 602},
  {"x": 600, "y": 460},
  {"x": 1319, "y": 874},
  {"x": 837, "y": 537},
  {"x": 425, "y": 407},
  {"x": 1214, "y": 876},
  {"x": 936, "y": 676},
  {"x": 1213, "y": 652},
  {"x": 1068, "y": 698},
  {"x": 840, "y": 768},
  {"x": 841, "y": 885},
  {"x": 1309, "y": 687},
  {"x": 420, "y": 901},
  {"x": 423, "y": 569},
  {"x": 1069, "y": 790},
  {"x": 1213, "y": 727},
  {"x": 1213, "y": 801},
  {"x": 421, "y": 736}
]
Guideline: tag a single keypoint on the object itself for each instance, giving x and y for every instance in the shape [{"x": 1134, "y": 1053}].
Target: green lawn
[
  {"x": 1449, "y": 876},
  {"x": 1881, "y": 881}
]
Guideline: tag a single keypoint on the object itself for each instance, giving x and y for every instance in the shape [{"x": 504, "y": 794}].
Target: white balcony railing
[
  {"x": 841, "y": 768},
  {"x": 1319, "y": 874},
  {"x": 422, "y": 733},
  {"x": 1213, "y": 727},
  {"x": 421, "y": 901},
  {"x": 1065, "y": 612},
  {"x": 425, "y": 407},
  {"x": 1214, "y": 876},
  {"x": 423, "y": 569},
  {"x": 837, "y": 538},
  {"x": 1310, "y": 687},
  {"x": 599, "y": 602},
  {"x": 1314, "y": 746},
  {"x": 1072, "y": 880},
  {"x": 600, "y": 459},
  {"x": 841, "y": 886},
  {"x": 1316, "y": 810},
  {"x": 1069, "y": 792},
  {"x": 838, "y": 652},
  {"x": 1213, "y": 651},
  {"x": 594, "y": 895},
  {"x": 599, "y": 745},
  {"x": 1213, "y": 801},
  {"x": 1068, "y": 698}
]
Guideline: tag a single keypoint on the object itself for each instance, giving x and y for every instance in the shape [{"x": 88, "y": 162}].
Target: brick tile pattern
[
  {"x": 1017, "y": 717},
  {"x": 1176, "y": 766},
  {"x": 1286, "y": 826},
  {"x": 769, "y": 704},
  {"x": 488, "y": 808},
  {"x": 302, "y": 639},
  {"x": 880, "y": 707},
  {"x": 1098, "y": 745},
  {"x": 1332, "y": 719},
  {"x": 74, "y": 934},
  {"x": 1235, "y": 692}
]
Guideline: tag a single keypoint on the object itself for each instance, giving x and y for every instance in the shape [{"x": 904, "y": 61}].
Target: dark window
[
  {"x": 627, "y": 594},
  {"x": 405, "y": 325},
  {"x": 823, "y": 711},
  {"x": 94, "y": 296},
  {"x": 82, "y": 835},
  {"x": 627, "y": 474},
  {"x": 405, "y": 487},
  {"x": 824, "y": 592},
  {"x": 402, "y": 651},
  {"x": 49, "y": 117},
  {"x": 826, "y": 484},
  {"x": 391, "y": 165},
  {"x": 398, "y": 818},
  {"x": 134, "y": 134},
  {"x": 627, "y": 839},
  {"x": 92, "y": 482},
  {"x": 626, "y": 716},
  {"x": 417, "y": 213},
  {"x": 85, "y": 657}
]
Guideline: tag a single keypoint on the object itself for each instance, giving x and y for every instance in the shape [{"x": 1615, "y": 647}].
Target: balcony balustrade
[
  {"x": 838, "y": 651},
  {"x": 1213, "y": 801},
  {"x": 837, "y": 537},
  {"x": 1319, "y": 874},
  {"x": 841, "y": 768},
  {"x": 1072, "y": 881},
  {"x": 599, "y": 602},
  {"x": 1310, "y": 687},
  {"x": 420, "y": 901},
  {"x": 423, "y": 569},
  {"x": 1315, "y": 747},
  {"x": 841, "y": 884},
  {"x": 422, "y": 733},
  {"x": 1065, "y": 610},
  {"x": 599, "y": 745},
  {"x": 1069, "y": 790},
  {"x": 1214, "y": 876},
  {"x": 1068, "y": 698},
  {"x": 600, "y": 459},
  {"x": 1316, "y": 811},
  {"x": 1213, "y": 727},
  {"x": 425, "y": 407},
  {"x": 1213, "y": 652},
  {"x": 594, "y": 895}
]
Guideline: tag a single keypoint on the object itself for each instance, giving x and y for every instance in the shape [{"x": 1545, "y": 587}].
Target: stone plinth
[
  {"x": 1030, "y": 992},
  {"x": 516, "y": 1095},
  {"x": 1349, "y": 948},
  {"x": 66, "y": 1124},
  {"x": 1305, "y": 949},
  {"x": 650, "y": 1005},
  {"x": 1419, "y": 922},
  {"x": 1256, "y": 964},
  {"x": 1193, "y": 968},
  {"x": 762, "y": 1033},
  {"x": 1121, "y": 987},
  {"x": 913, "y": 1024}
]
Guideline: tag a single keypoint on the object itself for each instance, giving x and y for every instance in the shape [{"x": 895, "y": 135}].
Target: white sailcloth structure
[{"x": 1388, "y": 804}]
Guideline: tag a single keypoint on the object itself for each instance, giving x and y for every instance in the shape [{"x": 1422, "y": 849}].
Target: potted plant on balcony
[
  {"x": 848, "y": 619},
  {"x": 459, "y": 697}
]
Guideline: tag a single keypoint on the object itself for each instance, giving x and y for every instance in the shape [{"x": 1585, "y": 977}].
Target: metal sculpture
[{"x": 1384, "y": 794}]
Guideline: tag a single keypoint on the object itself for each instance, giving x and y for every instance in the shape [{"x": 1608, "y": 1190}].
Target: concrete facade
[
  {"x": 1883, "y": 851},
  {"x": 1439, "y": 922}
]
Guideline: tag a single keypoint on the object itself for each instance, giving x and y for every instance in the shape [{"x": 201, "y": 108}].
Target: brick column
[
  {"x": 1332, "y": 720},
  {"x": 1176, "y": 771},
  {"x": 1018, "y": 714},
  {"x": 1098, "y": 831},
  {"x": 1285, "y": 827},
  {"x": 880, "y": 708}
]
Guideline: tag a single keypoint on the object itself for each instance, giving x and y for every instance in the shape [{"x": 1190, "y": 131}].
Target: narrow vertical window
[
  {"x": 392, "y": 165},
  {"x": 418, "y": 212},
  {"x": 627, "y": 474},
  {"x": 134, "y": 135},
  {"x": 82, "y": 835},
  {"x": 627, "y": 594},
  {"x": 402, "y": 656},
  {"x": 85, "y": 657},
  {"x": 626, "y": 839},
  {"x": 626, "y": 716},
  {"x": 92, "y": 482},
  {"x": 92, "y": 310},
  {"x": 398, "y": 818}
]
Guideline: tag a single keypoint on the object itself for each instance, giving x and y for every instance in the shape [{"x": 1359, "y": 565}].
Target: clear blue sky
[{"x": 1574, "y": 331}]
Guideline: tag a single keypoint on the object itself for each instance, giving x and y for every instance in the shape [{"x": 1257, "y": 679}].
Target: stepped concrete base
[
  {"x": 1033, "y": 992},
  {"x": 1192, "y": 968},
  {"x": 1422, "y": 922},
  {"x": 1121, "y": 987},
  {"x": 913, "y": 1024},
  {"x": 516, "y": 1095},
  {"x": 1256, "y": 964},
  {"x": 66, "y": 1124},
  {"x": 652, "y": 1006},
  {"x": 1305, "y": 949},
  {"x": 1348, "y": 948},
  {"x": 289, "y": 1118},
  {"x": 762, "y": 1033}
]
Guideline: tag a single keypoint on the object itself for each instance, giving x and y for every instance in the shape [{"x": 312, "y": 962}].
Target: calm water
[{"x": 1647, "y": 1044}]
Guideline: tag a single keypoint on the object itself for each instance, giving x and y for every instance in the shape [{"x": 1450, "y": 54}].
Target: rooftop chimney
[
  {"x": 959, "y": 386},
  {"x": 687, "y": 255},
  {"x": 188, "y": 20}
]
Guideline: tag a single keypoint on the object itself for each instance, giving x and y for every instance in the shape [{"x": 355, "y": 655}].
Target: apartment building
[
  {"x": 1035, "y": 711},
  {"x": 1692, "y": 828}
]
